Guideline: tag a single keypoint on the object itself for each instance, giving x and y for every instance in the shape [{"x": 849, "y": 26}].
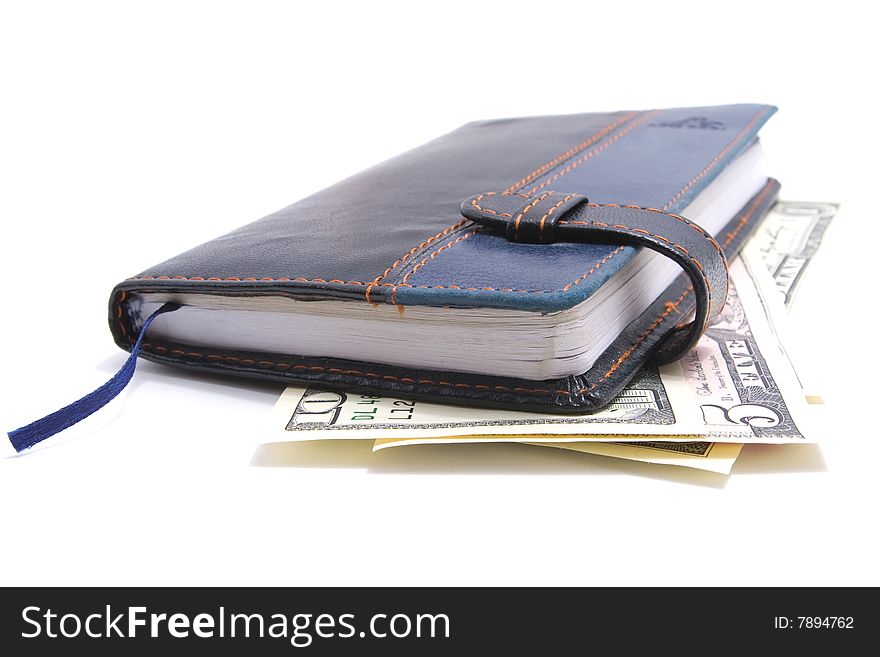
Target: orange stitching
[
  {"x": 242, "y": 279},
  {"x": 567, "y": 154},
  {"x": 578, "y": 280},
  {"x": 504, "y": 289},
  {"x": 525, "y": 211},
  {"x": 425, "y": 261},
  {"x": 748, "y": 215},
  {"x": 487, "y": 210},
  {"x": 595, "y": 151},
  {"x": 688, "y": 222},
  {"x": 119, "y": 314},
  {"x": 671, "y": 243},
  {"x": 670, "y": 307},
  {"x": 413, "y": 250},
  {"x": 181, "y": 352},
  {"x": 697, "y": 228},
  {"x": 551, "y": 211},
  {"x": 717, "y": 159}
]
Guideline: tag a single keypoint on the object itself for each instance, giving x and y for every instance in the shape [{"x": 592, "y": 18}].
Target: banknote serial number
[{"x": 813, "y": 622}]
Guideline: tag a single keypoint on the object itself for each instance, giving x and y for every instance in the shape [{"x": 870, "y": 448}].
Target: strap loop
[{"x": 554, "y": 217}]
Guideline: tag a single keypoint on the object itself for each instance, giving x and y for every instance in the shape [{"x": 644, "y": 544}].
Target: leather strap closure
[
  {"x": 554, "y": 217},
  {"x": 525, "y": 218}
]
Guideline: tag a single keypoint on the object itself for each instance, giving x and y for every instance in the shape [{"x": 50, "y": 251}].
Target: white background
[{"x": 130, "y": 132}]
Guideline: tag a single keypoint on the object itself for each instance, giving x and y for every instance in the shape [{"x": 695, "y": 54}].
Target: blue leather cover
[{"x": 599, "y": 183}]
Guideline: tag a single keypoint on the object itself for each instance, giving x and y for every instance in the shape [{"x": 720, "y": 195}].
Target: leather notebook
[{"x": 531, "y": 263}]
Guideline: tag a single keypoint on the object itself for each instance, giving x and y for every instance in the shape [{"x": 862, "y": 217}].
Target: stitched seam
[
  {"x": 446, "y": 247},
  {"x": 475, "y": 201},
  {"x": 595, "y": 151},
  {"x": 411, "y": 252},
  {"x": 526, "y": 210},
  {"x": 242, "y": 279},
  {"x": 545, "y": 168},
  {"x": 551, "y": 211},
  {"x": 576, "y": 281},
  {"x": 655, "y": 235},
  {"x": 507, "y": 289},
  {"x": 748, "y": 215},
  {"x": 700, "y": 230},
  {"x": 443, "y": 248},
  {"x": 688, "y": 222},
  {"x": 716, "y": 160},
  {"x": 670, "y": 307},
  {"x": 119, "y": 319}
]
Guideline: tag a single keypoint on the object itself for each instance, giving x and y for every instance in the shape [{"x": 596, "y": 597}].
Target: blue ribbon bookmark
[{"x": 37, "y": 431}]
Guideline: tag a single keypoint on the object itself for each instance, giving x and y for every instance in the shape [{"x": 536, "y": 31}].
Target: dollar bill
[
  {"x": 788, "y": 239},
  {"x": 735, "y": 386},
  {"x": 713, "y": 457},
  {"x": 702, "y": 455},
  {"x": 657, "y": 402}
]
